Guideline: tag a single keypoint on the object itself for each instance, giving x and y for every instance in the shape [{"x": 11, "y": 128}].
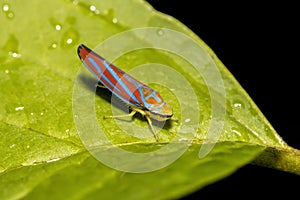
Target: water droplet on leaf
[
  {"x": 58, "y": 27},
  {"x": 160, "y": 32},
  {"x": 7, "y": 10},
  {"x": 10, "y": 15},
  {"x": 11, "y": 46},
  {"x": 19, "y": 108},
  {"x": 53, "y": 45},
  {"x": 70, "y": 37},
  {"x": 187, "y": 120},
  {"x": 237, "y": 105},
  {"x": 14, "y": 54},
  {"x": 92, "y": 8},
  {"x": 69, "y": 40},
  {"x": 115, "y": 20},
  {"x": 182, "y": 139},
  {"x": 5, "y": 7}
]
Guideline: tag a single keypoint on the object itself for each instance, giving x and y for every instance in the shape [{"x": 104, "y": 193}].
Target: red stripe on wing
[{"x": 116, "y": 88}]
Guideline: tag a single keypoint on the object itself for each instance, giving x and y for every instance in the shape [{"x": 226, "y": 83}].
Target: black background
[{"x": 259, "y": 45}]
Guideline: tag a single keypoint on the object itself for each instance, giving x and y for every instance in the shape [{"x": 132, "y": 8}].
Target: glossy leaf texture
[{"x": 41, "y": 153}]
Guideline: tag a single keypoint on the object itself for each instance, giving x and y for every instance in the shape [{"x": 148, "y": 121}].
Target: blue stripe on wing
[
  {"x": 102, "y": 75},
  {"x": 111, "y": 86},
  {"x": 120, "y": 82}
]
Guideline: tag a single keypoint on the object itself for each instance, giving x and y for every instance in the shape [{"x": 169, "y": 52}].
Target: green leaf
[{"x": 43, "y": 156}]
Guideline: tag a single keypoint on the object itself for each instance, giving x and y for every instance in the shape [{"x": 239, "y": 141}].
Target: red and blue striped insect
[{"x": 138, "y": 96}]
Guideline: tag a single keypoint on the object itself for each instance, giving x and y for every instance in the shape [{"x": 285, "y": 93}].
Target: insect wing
[{"x": 117, "y": 81}]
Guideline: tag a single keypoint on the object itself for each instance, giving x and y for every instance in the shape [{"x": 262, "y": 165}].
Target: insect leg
[
  {"x": 174, "y": 120},
  {"x": 152, "y": 128},
  {"x": 120, "y": 116}
]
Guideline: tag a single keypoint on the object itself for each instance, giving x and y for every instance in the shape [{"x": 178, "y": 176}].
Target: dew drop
[
  {"x": 69, "y": 40},
  {"x": 31, "y": 114},
  {"x": 6, "y": 71},
  {"x": 67, "y": 130},
  {"x": 58, "y": 27},
  {"x": 187, "y": 120},
  {"x": 11, "y": 46},
  {"x": 92, "y": 8},
  {"x": 19, "y": 108},
  {"x": 14, "y": 54},
  {"x": 28, "y": 146},
  {"x": 12, "y": 146},
  {"x": 53, "y": 46},
  {"x": 56, "y": 24},
  {"x": 160, "y": 32},
  {"x": 42, "y": 113},
  {"x": 237, "y": 105},
  {"x": 115, "y": 20},
  {"x": 70, "y": 37},
  {"x": 10, "y": 14},
  {"x": 182, "y": 139},
  {"x": 5, "y": 7}
]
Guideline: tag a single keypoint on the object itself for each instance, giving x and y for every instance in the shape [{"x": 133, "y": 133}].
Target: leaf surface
[{"x": 41, "y": 153}]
